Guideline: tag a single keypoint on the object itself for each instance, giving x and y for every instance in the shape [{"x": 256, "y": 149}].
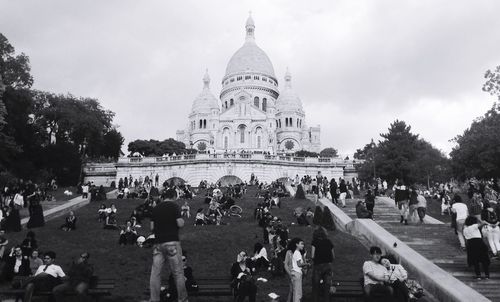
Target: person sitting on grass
[
  {"x": 200, "y": 218},
  {"x": 128, "y": 234},
  {"x": 16, "y": 264},
  {"x": 70, "y": 223},
  {"x": 185, "y": 210},
  {"x": 35, "y": 262},
  {"x": 46, "y": 277},
  {"x": 242, "y": 280},
  {"x": 110, "y": 222},
  {"x": 102, "y": 212},
  {"x": 260, "y": 258},
  {"x": 375, "y": 276},
  {"x": 302, "y": 219},
  {"x": 362, "y": 211},
  {"x": 29, "y": 243},
  {"x": 78, "y": 280}
]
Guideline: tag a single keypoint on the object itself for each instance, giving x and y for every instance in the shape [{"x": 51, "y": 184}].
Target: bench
[
  {"x": 352, "y": 290},
  {"x": 99, "y": 287},
  {"x": 211, "y": 287}
]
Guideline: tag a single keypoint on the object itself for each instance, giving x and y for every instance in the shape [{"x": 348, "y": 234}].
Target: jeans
[
  {"x": 492, "y": 234},
  {"x": 460, "y": 231},
  {"x": 404, "y": 209},
  {"x": 80, "y": 289},
  {"x": 171, "y": 252},
  {"x": 413, "y": 212},
  {"x": 321, "y": 291},
  {"x": 342, "y": 198},
  {"x": 297, "y": 286}
]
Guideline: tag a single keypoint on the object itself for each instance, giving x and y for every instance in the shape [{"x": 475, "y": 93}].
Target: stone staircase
[{"x": 435, "y": 241}]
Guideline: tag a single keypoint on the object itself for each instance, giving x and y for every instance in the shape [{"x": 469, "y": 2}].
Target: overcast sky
[{"x": 356, "y": 65}]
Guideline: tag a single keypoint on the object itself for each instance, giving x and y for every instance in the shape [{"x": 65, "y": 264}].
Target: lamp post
[{"x": 372, "y": 147}]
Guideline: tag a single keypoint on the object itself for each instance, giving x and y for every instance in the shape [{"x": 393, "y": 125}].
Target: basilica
[{"x": 254, "y": 113}]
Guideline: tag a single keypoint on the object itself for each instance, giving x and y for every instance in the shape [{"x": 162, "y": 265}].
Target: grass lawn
[{"x": 211, "y": 249}]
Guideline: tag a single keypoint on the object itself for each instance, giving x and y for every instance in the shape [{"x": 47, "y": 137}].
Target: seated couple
[
  {"x": 384, "y": 279},
  {"x": 242, "y": 280},
  {"x": 51, "y": 277}
]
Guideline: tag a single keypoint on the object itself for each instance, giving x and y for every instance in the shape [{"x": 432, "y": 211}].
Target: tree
[
  {"x": 156, "y": 148},
  {"x": 329, "y": 152},
  {"x": 112, "y": 144},
  {"x": 492, "y": 84},
  {"x": 305, "y": 153},
  {"x": 477, "y": 150},
  {"x": 14, "y": 70},
  {"x": 402, "y": 155}
]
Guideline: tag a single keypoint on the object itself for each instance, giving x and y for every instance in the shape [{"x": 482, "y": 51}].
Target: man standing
[
  {"x": 333, "y": 190},
  {"x": 165, "y": 224},
  {"x": 401, "y": 196}
]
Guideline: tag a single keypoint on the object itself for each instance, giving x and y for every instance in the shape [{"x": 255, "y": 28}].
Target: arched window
[
  {"x": 225, "y": 104},
  {"x": 225, "y": 142},
  {"x": 277, "y": 124},
  {"x": 280, "y": 122},
  {"x": 241, "y": 129},
  {"x": 204, "y": 124},
  {"x": 258, "y": 142},
  {"x": 286, "y": 122},
  {"x": 297, "y": 123},
  {"x": 231, "y": 102},
  {"x": 264, "y": 104},
  {"x": 201, "y": 124},
  {"x": 256, "y": 101}
]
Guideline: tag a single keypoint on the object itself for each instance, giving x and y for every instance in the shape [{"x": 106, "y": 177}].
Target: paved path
[{"x": 435, "y": 241}]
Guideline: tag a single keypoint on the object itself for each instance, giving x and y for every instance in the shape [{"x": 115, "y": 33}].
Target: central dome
[{"x": 250, "y": 57}]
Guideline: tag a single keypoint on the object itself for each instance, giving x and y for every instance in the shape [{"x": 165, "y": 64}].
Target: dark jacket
[
  {"x": 80, "y": 272},
  {"x": 24, "y": 269}
]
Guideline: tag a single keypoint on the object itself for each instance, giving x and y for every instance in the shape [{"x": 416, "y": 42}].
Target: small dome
[
  {"x": 288, "y": 99},
  {"x": 250, "y": 57},
  {"x": 205, "y": 101}
]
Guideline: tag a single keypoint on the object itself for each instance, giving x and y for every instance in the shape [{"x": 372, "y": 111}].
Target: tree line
[
  {"x": 401, "y": 154},
  {"x": 44, "y": 135}
]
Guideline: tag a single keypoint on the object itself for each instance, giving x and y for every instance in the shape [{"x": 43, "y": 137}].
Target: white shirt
[
  {"x": 422, "y": 202},
  {"x": 472, "y": 231},
  {"x": 461, "y": 209},
  {"x": 18, "y": 199},
  {"x": 85, "y": 189},
  {"x": 297, "y": 256},
  {"x": 52, "y": 269},
  {"x": 375, "y": 269},
  {"x": 261, "y": 254},
  {"x": 19, "y": 261}
]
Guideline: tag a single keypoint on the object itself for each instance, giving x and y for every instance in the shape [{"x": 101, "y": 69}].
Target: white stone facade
[{"x": 252, "y": 114}]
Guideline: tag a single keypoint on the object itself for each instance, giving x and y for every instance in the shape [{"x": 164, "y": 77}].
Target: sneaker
[
  {"x": 487, "y": 277},
  {"x": 402, "y": 219},
  {"x": 478, "y": 278}
]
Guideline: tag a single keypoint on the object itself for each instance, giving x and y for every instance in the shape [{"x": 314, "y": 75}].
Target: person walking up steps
[
  {"x": 401, "y": 196},
  {"x": 165, "y": 224}
]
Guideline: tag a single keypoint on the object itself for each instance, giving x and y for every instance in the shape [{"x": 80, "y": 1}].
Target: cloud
[{"x": 357, "y": 65}]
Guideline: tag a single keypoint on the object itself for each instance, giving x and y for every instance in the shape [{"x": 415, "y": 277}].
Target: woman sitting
[
  {"x": 260, "y": 259},
  {"x": 397, "y": 278},
  {"x": 102, "y": 212},
  {"x": 375, "y": 277},
  {"x": 242, "y": 280},
  {"x": 110, "y": 222},
  {"x": 185, "y": 210},
  {"x": 128, "y": 234},
  {"x": 200, "y": 218},
  {"x": 70, "y": 223}
]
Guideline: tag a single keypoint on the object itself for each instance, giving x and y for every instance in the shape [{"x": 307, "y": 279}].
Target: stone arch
[
  {"x": 175, "y": 181},
  {"x": 229, "y": 180}
]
